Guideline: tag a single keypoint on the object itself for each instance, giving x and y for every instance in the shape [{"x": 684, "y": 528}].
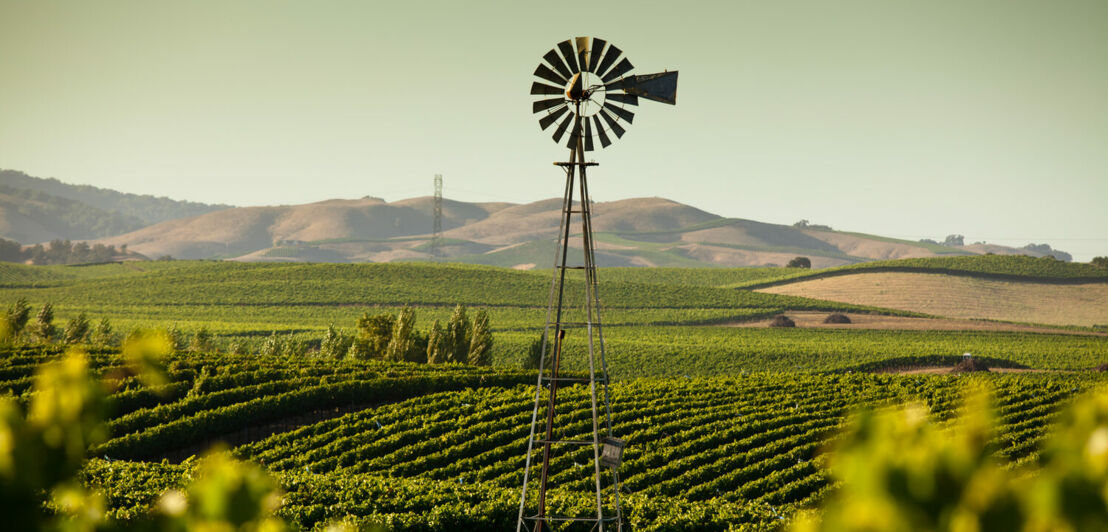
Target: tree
[
  {"x": 374, "y": 334},
  {"x": 176, "y": 337},
  {"x": 271, "y": 346},
  {"x": 335, "y": 344},
  {"x": 236, "y": 348},
  {"x": 401, "y": 342},
  {"x": 201, "y": 341},
  {"x": 954, "y": 240},
  {"x": 18, "y": 315},
  {"x": 799, "y": 262},
  {"x": 76, "y": 330},
  {"x": 418, "y": 351},
  {"x": 457, "y": 336},
  {"x": 436, "y": 344},
  {"x": 102, "y": 335},
  {"x": 1100, "y": 262},
  {"x": 11, "y": 251},
  {"x": 43, "y": 329},
  {"x": 480, "y": 342}
]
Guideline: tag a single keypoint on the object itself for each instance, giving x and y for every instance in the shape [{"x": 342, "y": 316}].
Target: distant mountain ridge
[
  {"x": 629, "y": 232},
  {"x": 148, "y": 209}
]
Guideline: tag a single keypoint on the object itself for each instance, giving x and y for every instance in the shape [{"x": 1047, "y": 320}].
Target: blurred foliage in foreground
[
  {"x": 899, "y": 471},
  {"x": 42, "y": 449}
]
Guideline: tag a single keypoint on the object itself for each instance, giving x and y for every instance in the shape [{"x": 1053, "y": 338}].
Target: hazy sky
[{"x": 908, "y": 119}]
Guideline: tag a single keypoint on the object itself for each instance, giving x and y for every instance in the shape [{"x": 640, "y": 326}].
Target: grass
[{"x": 962, "y": 297}]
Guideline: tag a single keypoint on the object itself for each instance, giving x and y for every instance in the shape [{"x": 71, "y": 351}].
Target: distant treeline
[{"x": 62, "y": 252}]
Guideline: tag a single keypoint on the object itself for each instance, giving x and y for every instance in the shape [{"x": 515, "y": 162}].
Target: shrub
[
  {"x": 799, "y": 262},
  {"x": 969, "y": 365},
  {"x": 782, "y": 320},
  {"x": 837, "y": 317}
]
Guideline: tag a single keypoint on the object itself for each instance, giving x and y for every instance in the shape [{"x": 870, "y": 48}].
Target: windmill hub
[{"x": 586, "y": 87}]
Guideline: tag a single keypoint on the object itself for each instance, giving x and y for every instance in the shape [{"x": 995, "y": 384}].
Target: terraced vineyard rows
[{"x": 722, "y": 450}]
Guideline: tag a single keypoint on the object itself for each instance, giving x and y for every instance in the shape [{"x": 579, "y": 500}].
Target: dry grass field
[
  {"x": 963, "y": 297},
  {"x": 812, "y": 319}
]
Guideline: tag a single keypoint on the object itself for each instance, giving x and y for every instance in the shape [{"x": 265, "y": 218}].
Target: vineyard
[
  {"x": 346, "y": 438},
  {"x": 728, "y": 426}
]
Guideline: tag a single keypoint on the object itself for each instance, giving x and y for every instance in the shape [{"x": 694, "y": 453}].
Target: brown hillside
[{"x": 963, "y": 297}]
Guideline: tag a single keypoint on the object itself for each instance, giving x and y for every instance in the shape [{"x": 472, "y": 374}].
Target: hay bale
[
  {"x": 782, "y": 320},
  {"x": 969, "y": 365},
  {"x": 837, "y": 317}
]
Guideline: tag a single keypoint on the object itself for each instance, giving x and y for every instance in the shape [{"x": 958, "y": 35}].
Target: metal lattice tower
[
  {"x": 592, "y": 81},
  {"x": 436, "y": 230}
]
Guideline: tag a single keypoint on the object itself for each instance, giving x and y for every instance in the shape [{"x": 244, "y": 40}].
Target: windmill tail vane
[{"x": 584, "y": 87}]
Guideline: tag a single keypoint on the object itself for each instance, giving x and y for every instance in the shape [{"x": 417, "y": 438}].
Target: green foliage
[
  {"x": 201, "y": 341},
  {"x": 103, "y": 335},
  {"x": 402, "y": 342},
  {"x": 480, "y": 343},
  {"x": 271, "y": 347},
  {"x": 76, "y": 330},
  {"x": 43, "y": 449},
  {"x": 899, "y": 471},
  {"x": 437, "y": 346},
  {"x": 43, "y": 329},
  {"x": 374, "y": 334},
  {"x": 457, "y": 335},
  {"x": 335, "y": 343},
  {"x": 225, "y": 495},
  {"x": 17, "y": 316},
  {"x": 799, "y": 262},
  {"x": 150, "y": 209},
  {"x": 1100, "y": 262}
]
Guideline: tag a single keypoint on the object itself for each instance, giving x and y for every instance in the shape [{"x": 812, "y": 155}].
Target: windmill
[{"x": 585, "y": 86}]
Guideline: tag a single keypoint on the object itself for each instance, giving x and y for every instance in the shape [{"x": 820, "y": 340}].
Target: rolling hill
[
  {"x": 630, "y": 232},
  {"x": 34, "y": 210}
]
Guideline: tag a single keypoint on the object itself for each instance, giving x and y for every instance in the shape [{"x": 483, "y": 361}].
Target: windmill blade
[
  {"x": 562, "y": 129},
  {"x": 619, "y": 111},
  {"x": 545, "y": 121},
  {"x": 628, "y": 99},
  {"x": 588, "y": 135},
  {"x": 623, "y": 67},
  {"x": 612, "y": 124},
  {"x": 576, "y": 134},
  {"x": 583, "y": 53},
  {"x": 567, "y": 52},
  {"x": 544, "y": 72},
  {"x": 543, "y": 105},
  {"x": 555, "y": 61},
  {"x": 604, "y": 140},
  {"x": 660, "y": 87},
  {"x": 542, "y": 88},
  {"x": 610, "y": 57},
  {"x": 594, "y": 55}
]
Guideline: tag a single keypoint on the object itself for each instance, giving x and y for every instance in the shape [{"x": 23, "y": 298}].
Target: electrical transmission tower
[{"x": 436, "y": 231}]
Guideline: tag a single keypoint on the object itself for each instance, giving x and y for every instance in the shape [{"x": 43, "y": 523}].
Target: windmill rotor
[{"x": 585, "y": 87}]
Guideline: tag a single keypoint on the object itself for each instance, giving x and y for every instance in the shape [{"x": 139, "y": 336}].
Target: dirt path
[{"x": 809, "y": 319}]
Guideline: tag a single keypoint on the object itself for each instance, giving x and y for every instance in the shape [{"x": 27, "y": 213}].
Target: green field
[
  {"x": 423, "y": 445},
  {"x": 728, "y": 426},
  {"x": 660, "y": 322}
]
